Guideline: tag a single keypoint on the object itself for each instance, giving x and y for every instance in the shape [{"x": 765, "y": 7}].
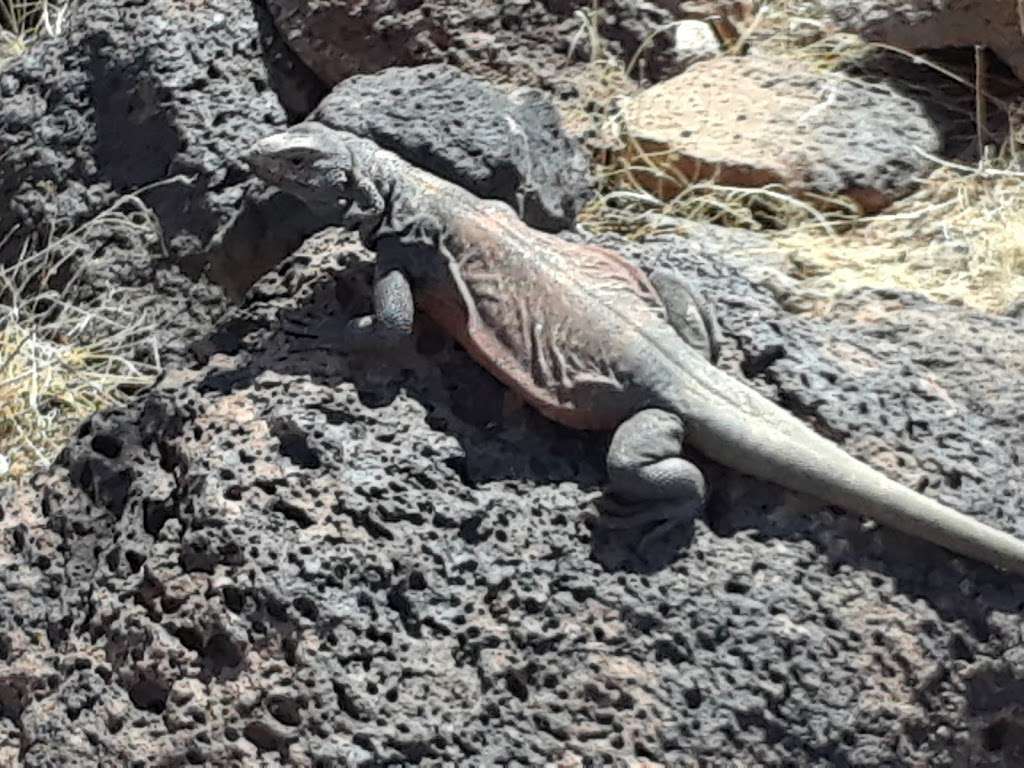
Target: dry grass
[
  {"x": 64, "y": 353},
  {"x": 22, "y": 21},
  {"x": 960, "y": 239},
  {"x": 627, "y": 206}
]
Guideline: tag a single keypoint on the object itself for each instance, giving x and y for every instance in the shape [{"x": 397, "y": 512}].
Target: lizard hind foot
[{"x": 650, "y": 483}]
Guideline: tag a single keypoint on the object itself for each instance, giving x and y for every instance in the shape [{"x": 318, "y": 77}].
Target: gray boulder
[{"x": 509, "y": 147}]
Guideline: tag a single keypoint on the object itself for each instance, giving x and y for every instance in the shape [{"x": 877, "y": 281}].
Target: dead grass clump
[
  {"x": 65, "y": 352},
  {"x": 960, "y": 239},
  {"x": 639, "y": 185},
  {"x": 600, "y": 83},
  {"x": 22, "y": 21}
]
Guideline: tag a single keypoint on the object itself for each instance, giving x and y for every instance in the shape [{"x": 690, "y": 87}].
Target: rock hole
[
  {"x": 190, "y": 638},
  {"x": 264, "y": 737},
  {"x": 221, "y": 653},
  {"x": 234, "y": 599},
  {"x": 154, "y": 515},
  {"x": 517, "y": 685},
  {"x": 737, "y": 585},
  {"x": 149, "y": 694},
  {"x": 135, "y": 560},
  {"x": 106, "y": 445},
  {"x": 306, "y": 607},
  {"x": 294, "y": 444},
  {"x": 345, "y": 702},
  {"x": 296, "y": 514},
  {"x": 285, "y": 710},
  {"x": 994, "y": 736},
  {"x": 469, "y": 530}
]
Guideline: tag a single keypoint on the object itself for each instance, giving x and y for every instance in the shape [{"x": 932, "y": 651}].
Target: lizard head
[{"x": 322, "y": 167}]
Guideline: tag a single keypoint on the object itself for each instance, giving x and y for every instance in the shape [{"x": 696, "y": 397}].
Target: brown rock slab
[
  {"x": 919, "y": 25},
  {"x": 528, "y": 43},
  {"x": 754, "y": 121}
]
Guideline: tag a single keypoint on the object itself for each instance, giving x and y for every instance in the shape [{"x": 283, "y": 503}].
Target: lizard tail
[{"x": 793, "y": 455}]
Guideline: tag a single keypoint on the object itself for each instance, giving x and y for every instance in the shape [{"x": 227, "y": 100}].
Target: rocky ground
[{"x": 280, "y": 557}]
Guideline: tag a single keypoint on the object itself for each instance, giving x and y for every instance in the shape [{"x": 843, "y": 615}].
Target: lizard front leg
[
  {"x": 390, "y": 323},
  {"x": 646, "y": 470}
]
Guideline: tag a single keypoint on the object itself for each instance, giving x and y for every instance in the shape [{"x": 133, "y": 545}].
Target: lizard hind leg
[
  {"x": 647, "y": 472},
  {"x": 688, "y": 312}
]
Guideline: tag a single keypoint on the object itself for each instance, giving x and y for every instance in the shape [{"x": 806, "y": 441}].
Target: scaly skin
[{"x": 586, "y": 338}]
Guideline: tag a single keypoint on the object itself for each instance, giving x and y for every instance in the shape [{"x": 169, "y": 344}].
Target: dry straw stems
[{"x": 66, "y": 352}]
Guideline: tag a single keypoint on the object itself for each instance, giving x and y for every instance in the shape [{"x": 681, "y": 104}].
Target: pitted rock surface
[
  {"x": 136, "y": 94},
  {"x": 753, "y": 121},
  {"x": 919, "y": 25},
  {"x": 509, "y": 147},
  {"x": 517, "y": 41},
  {"x": 300, "y": 558}
]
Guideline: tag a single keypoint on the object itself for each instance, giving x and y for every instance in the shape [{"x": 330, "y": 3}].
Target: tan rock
[{"x": 754, "y": 121}]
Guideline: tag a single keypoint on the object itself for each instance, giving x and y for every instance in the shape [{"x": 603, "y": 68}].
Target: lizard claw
[
  {"x": 306, "y": 326},
  {"x": 632, "y": 523},
  {"x": 315, "y": 334},
  {"x": 359, "y": 334}
]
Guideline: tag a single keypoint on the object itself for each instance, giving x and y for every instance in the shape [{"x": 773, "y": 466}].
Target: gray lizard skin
[{"x": 585, "y": 337}]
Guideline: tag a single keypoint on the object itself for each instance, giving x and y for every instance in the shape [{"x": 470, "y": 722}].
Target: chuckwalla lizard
[{"x": 586, "y": 338}]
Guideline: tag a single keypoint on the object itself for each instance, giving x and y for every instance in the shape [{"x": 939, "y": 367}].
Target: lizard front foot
[{"x": 359, "y": 334}]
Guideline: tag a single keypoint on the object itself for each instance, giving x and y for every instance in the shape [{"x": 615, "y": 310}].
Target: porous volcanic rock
[
  {"x": 917, "y": 25},
  {"x": 308, "y": 559},
  {"x": 154, "y": 97},
  {"x": 509, "y": 147},
  {"x": 756, "y": 120},
  {"x": 515, "y": 41}
]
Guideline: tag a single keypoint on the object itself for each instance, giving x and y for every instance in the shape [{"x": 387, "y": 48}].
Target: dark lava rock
[
  {"x": 508, "y": 147},
  {"x": 302, "y": 558},
  {"x": 161, "y": 100},
  {"x": 520, "y": 41}
]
